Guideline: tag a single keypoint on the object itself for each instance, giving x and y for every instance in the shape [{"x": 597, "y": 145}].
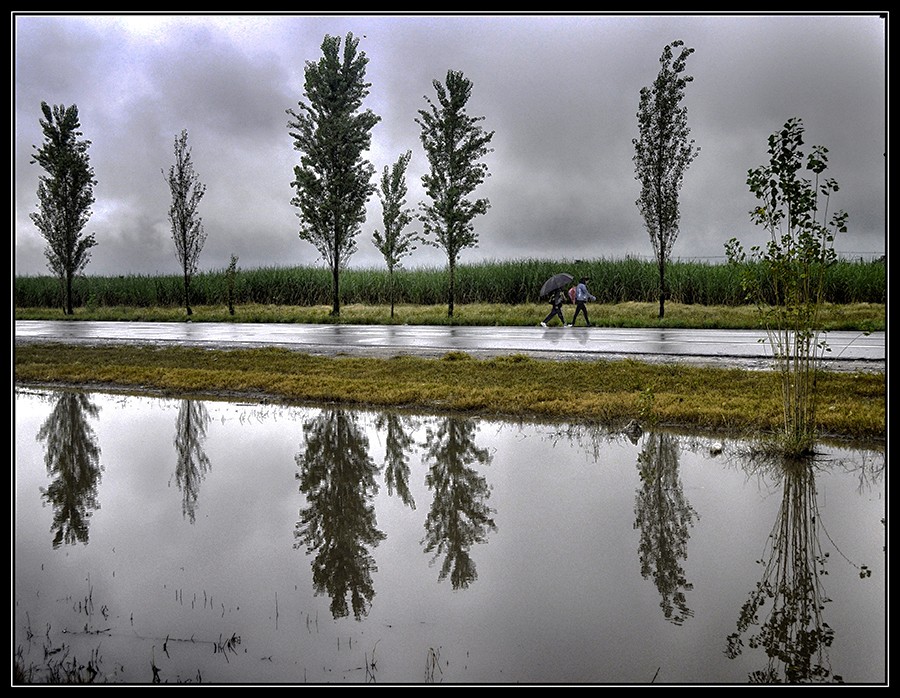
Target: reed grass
[{"x": 491, "y": 282}]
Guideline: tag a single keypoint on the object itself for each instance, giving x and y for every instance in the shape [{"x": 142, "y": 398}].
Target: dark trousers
[
  {"x": 580, "y": 307},
  {"x": 556, "y": 312}
]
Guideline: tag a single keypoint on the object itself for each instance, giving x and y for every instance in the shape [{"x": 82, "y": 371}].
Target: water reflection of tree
[
  {"x": 792, "y": 632},
  {"x": 192, "y": 463},
  {"x": 338, "y": 479},
  {"x": 72, "y": 458},
  {"x": 398, "y": 443},
  {"x": 663, "y": 516},
  {"x": 459, "y": 515}
]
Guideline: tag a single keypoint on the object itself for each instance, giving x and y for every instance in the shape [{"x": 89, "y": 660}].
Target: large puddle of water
[{"x": 179, "y": 541}]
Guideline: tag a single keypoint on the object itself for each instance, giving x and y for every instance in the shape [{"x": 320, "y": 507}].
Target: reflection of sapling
[
  {"x": 784, "y": 615},
  {"x": 398, "y": 443},
  {"x": 459, "y": 515}
]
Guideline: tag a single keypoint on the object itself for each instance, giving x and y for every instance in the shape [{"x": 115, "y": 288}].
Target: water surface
[{"x": 189, "y": 541}]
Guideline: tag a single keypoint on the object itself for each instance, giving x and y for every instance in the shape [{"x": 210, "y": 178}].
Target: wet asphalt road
[{"x": 742, "y": 348}]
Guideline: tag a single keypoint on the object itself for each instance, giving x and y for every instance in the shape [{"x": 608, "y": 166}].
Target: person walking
[
  {"x": 556, "y": 300},
  {"x": 582, "y": 296}
]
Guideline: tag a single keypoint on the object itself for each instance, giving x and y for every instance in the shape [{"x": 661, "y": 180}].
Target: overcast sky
[{"x": 559, "y": 91}]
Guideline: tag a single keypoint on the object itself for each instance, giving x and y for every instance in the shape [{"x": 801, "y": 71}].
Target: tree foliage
[
  {"x": 187, "y": 225},
  {"x": 783, "y": 618},
  {"x": 333, "y": 181},
  {"x": 65, "y": 195},
  {"x": 460, "y": 515},
  {"x": 230, "y": 282},
  {"x": 395, "y": 242},
  {"x": 663, "y": 151},
  {"x": 72, "y": 458},
  {"x": 191, "y": 461},
  {"x": 454, "y": 143},
  {"x": 337, "y": 478},
  {"x": 664, "y": 518},
  {"x": 787, "y": 278}
]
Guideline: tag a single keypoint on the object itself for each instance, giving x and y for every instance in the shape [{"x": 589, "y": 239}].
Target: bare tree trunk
[
  {"x": 335, "y": 294},
  {"x": 69, "y": 310},
  {"x": 187, "y": 295},
  {"x": 662, "y": 289},
  {"x": 452, "y": 292},
  {"x": 391, "y": 273}
]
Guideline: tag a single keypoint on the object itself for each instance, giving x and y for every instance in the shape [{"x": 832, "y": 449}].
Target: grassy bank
[
  {"x": 604, "y": 392},
  {"x": 861, "y": 317}
]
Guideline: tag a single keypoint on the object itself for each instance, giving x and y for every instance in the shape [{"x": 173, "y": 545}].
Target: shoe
[
  {"x": 568, "y": 324},
  {"x": 543, "y": 324}
]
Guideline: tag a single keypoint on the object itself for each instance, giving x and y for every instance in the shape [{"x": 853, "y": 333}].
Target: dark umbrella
[{"x": 555, "y": 282}]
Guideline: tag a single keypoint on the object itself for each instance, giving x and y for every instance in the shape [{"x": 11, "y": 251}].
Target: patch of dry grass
[{"x": 609, "y": 392}]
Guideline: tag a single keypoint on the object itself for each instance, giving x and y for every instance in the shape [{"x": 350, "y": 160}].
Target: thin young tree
[
  {"x": 454, "y": 143},
  {"x": 65, "y": 196},
  {"x": 333, "y": 180},
  {"x": 187, "y": 225},
  {"x": 785, "y": 278},
  {"x": 230, "y": 282},
  {"x": 396, "y": 242},
  {"x": 663, "y": 151}
]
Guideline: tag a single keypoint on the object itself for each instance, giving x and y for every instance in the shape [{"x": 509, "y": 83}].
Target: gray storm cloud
[{"x": 560, "y": 93}]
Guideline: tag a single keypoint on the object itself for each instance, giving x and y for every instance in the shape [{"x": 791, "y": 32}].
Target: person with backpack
[
  {"x": 556, "y": 300},
  {"x": 582, "y": 296}
]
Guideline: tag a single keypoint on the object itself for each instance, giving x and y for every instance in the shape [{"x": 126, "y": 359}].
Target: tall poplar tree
[
  {"x": 395, "y": 242},
  {"x": 454, "y": 143},
  {"x": 187, "y": 225},
  {"x": 65, "y": 195},
  {"x": 333, "y": 180},
  {"x": 663, "y": 152}
]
